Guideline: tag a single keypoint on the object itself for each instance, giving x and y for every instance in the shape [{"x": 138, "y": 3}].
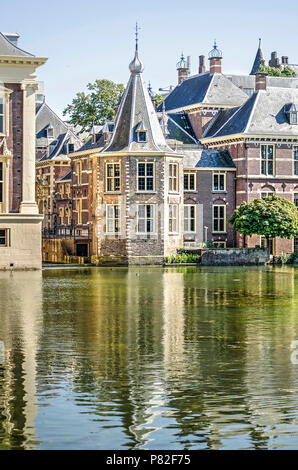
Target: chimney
[
  {"x": 188, "y": 64},
  {"x": 202, "y": 68},
  {"x": 274, "y": 61},
  {"x": 261, "y": 81},
  {"x": 284, "y": 60},
  {"x": 215, "y": 57}
]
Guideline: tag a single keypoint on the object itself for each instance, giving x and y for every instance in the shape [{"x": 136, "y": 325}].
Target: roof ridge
[
  {"x": 226, "y": 122},
  {"x": 14, "y": 46},
  {"x": 209, "y": 86},
  {"x": 183, "y": 130},
  {"x": 252, "y": 111}
]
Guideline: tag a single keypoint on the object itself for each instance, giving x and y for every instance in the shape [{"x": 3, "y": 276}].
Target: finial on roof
[
  {"x": 260, "y": 42},
  {"x": 136, "y": 65},
  {"x": 215, "y": 53},
  {"x": 182, "y": 64}
]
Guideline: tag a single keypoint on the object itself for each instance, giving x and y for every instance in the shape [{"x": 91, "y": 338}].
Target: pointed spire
[
  {"x": 136, "y": 65},
  {"x": 137, "y": 127},
  {"x": 259, "y": 60}
]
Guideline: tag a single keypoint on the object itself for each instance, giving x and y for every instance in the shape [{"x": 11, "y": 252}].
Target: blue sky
[{"x": 85, "y": 40}]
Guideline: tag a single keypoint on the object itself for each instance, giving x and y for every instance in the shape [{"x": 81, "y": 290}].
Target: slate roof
[
  {"x": 7, "y": 48},
  {"x": 204, "y": 88},
  {"x": 262, "y": 114},
  {"x": 248, "y": 81},
  {"x": 180, "y": 128},
  {"x": 66, "y": 177},
  {"x": 45, "y": 116},
  {"x": 136, "y": 107},
  {"x": 207, "y": 158},
  {"x": 259, "y": 60}
]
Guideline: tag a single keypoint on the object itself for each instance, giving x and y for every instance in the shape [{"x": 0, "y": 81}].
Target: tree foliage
[
  {"x": 158, "y": 99},
  {"x": 97, "y": 106},
  {"x": 277, "y": 72},
  {"x": 271, "y": 217}
]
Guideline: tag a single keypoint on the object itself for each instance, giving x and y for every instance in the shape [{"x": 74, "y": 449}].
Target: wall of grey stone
[{"x": 235, "y": 257}]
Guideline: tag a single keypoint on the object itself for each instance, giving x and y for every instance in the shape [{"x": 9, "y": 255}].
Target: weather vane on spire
[{"x": 137, "y": 35}]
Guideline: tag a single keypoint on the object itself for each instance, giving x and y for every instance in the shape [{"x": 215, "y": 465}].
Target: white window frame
[
  {"x": 6, "y": 237},
  {"x": 112, "y": 178},
  {"x": 295, "y": 160},
  {"x": 145, "y": 177},
  {"x": 188, "y": 174},
  {"x": 189, "y": 218},
  {"x": 173, "y": 218},
  {"x": 218, "y": 174},
  {"x": 113, "y": 221},
  {"x": 173, "y": 177},
  {"x": 266, "y": 160},
  {"x": 219, "y": 218},
  {"x": 146, "y": 218}
]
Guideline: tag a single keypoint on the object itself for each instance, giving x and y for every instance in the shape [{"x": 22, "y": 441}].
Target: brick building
[
  {"x": 262, "y": 138},
  {"x": 20, "y": 222}
]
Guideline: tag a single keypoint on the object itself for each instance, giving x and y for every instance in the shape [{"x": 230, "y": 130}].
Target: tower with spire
[
  {"x": 140, "y": 188},
  {"x": 259, "y": 60}
]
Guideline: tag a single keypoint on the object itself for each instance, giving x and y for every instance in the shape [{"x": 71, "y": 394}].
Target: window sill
[
  {"x": 219, "y": 233},
  {"x": 112, "y": 192},
  {"x": 190, "y": 190},
  {"x": 220, "y": 191},
  {"x": 145, "y": 192}
]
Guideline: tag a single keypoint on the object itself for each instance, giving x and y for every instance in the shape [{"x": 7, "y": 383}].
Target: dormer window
[
  {"x": 106, "y": 137},
  {"x": 70, "y": 148},
  {"x": 50, "y": 132},
  {"x": 141, "y": 132},
  {"x": 291, "y": 113},
  {"x": 142, "y": 136}
]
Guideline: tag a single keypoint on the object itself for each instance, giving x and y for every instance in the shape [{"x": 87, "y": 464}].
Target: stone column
[{"x": 28, "y": 204}]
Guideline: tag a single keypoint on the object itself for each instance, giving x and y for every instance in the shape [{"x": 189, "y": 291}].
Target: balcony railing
[{"x": 66, "y": 232}]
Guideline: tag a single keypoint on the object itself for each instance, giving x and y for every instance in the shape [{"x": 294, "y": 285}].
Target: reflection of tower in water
[{"x": 19, "y": 331}]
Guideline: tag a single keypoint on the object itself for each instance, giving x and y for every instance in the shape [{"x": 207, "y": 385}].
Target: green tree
[
  {"x": 97, "y": 106},
  {"x": 270, "y": 217},
  {"x": 158, "y": 99},
  {"x": 277, "y": 72}
]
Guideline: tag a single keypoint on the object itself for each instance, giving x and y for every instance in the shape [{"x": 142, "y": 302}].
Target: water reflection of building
[{"x": 20, "y": 324}]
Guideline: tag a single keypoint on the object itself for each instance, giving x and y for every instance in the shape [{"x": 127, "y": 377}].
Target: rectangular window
[
  {"x": 295, "y": 152},
  {"x": 145, "y": 176},
  {"x": 296, "y": 199},
  {"x": 219, "y": 218},
  {"x": 68, "y": 215},
  {"x": 1, "y": 182},
  {"x": 61, "y": 214},
  {"x": 267, "y": 159},
  {"x": 79, "y": 210},
  {"x": 189, "y": 218},
  {"x": 67, "y": 189},
  {"x": 173, "y": 218},
  {"x": 296, "y": 244},
  {"x": 189, "y": 182},
  {"x": 219, "y": 182},
  {"x": 145, "y": 218},
  {"x": 113, "y": 218},
  {"x": 263, "y": 195},
  {"x": 173, "y": 177},
  {"x": 112, "y": 177},
  {"x": 2, "y": 116},
  {"x": 4, "y": 237},
  {"x": 79, "y": 172}
]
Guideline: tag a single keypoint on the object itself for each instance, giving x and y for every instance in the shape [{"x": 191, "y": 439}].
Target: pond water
[{"x": 149, "y": 358}]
